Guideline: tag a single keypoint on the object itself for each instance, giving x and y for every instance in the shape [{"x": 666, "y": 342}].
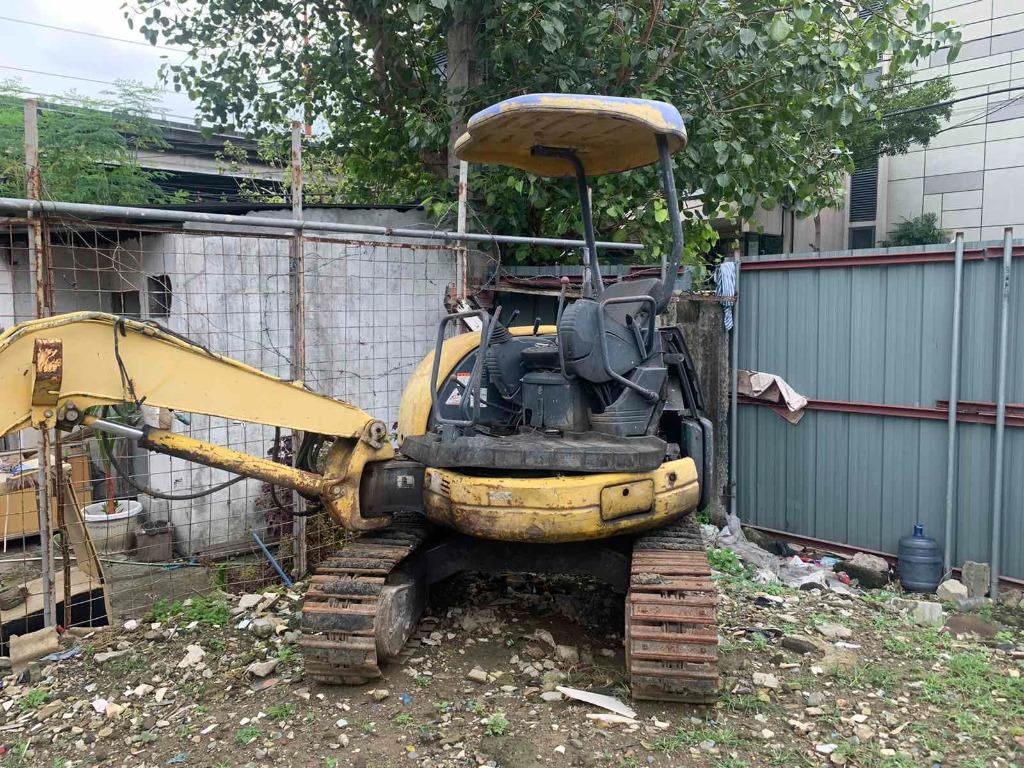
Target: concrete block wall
[{"x": 372, "y": 309}]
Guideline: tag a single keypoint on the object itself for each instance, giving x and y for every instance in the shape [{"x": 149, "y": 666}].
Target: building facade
[{"x": 971, "y": 174}]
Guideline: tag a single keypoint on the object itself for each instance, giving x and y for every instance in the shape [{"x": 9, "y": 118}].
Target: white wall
[{"x": 372, "y": 310}]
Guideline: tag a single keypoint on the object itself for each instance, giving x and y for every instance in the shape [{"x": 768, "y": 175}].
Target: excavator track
[
  {"x": 344, "y": 610},
  {"x": 671, "y": 632}
]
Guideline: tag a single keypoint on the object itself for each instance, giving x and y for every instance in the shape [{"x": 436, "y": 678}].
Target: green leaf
[
  {"x": 747, "y": 35},
  {"x": 802, "y": 12},
  {"x": 417, "y": 12},
  {"x": 439, "y": 4},
  {"x": 661, "y": 215},
  {"x": 780, "y": 28}
]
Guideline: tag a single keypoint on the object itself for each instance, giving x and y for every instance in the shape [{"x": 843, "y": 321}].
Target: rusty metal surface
[
  {"x": 339, "y": 616},
  {"x": 967, "y": 413},
  {"x": 671, "y": 627}
]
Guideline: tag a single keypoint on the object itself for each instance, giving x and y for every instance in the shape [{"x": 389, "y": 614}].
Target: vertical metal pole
[
  {"x": 997, "y": 480},
  {"x": 45, "y": 531},
  {"x": 298, "y": 318},
  {"x": 65, "y": 549},
  {"x": 954, "y": 394},
  {"x": 461, "y": 251},
  {"x": 37, "y": 239},
  {"x": 734, "y": 395}
]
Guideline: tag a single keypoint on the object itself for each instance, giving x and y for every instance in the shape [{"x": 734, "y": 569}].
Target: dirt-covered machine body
[{"x": 578, "y": 448}]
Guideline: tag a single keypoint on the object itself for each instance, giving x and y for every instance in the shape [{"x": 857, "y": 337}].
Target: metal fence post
[
  {"x": 461, "y": 251},
  {"x": 954, "y": 393},
  {"x": 997, "y": 479},
  {"x": 298, "y": 321},
  {"x": 734, "y": 396}
]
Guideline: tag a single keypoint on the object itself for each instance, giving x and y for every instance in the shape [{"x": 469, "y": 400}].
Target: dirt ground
[{"x": 875, "y": 689}]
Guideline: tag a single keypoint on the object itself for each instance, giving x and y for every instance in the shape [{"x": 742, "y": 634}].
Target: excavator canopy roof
[{"x": 609, "y": 134}]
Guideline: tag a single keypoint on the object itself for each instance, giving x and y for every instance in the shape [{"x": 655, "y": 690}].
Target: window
[
  {"x": 158, "y": 294},
  {"x": 126, "y": 304},
  {"x": 862, "y": 237}
]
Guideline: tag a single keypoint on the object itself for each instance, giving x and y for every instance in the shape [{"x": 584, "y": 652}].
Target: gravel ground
[{"x": 809, "y": 678}]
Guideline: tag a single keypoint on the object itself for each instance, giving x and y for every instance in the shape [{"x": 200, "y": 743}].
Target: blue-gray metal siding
[{"x": 878, "y": 334}]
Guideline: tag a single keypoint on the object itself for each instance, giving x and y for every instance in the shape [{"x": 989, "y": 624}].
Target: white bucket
[{"x": 114, "y": 532}]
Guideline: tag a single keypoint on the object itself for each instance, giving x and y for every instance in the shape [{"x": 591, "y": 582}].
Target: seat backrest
[{"x": 646, "y": 286}]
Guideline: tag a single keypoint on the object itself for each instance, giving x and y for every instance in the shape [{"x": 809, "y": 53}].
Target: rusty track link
[
  {"x": 339, "y": 616},
  {"x": 671, "y": 633}
]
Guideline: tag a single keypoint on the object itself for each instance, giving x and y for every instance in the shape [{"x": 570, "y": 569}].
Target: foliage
[
  {"x": 281, "y": 711},
  {"x": 206, "y": 610},
  {"x": 88, "y": 147},
  {"x": 33, "y": 699},
  {"x": 921, "y": 230},
  {"x": 246, "y": 736},
  {"x": 902, "y": 113},
  {"x": 497, "y": 724},
  {"x": 769, "y": 93},
  {"x": 725, "y": 561}
]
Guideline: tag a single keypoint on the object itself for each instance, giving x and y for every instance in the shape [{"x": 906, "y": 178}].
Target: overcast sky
[{"x": 66, "y": 55}]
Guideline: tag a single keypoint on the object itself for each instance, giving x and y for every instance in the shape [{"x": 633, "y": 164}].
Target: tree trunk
[{"x": 817, "y": 232}]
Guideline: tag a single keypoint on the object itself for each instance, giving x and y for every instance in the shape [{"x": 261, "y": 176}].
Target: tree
[
  {"x": 768, "y": 90},
  {"x": 88, "y": 147},
  {"x": 900, "y": 114}
]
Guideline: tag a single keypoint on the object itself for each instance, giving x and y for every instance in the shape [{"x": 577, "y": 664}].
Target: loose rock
[
  {"x": 976, "y": 577},
  {"x": 951, "y": 590}
]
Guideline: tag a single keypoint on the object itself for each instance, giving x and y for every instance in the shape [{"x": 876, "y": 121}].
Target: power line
[
  {"x": 91, "y": 34},
  {"x": 948, "y": 102},
  {"x": 72, "y": 77}
]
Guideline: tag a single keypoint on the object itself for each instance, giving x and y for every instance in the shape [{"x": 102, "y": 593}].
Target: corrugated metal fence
[{"x": 866, "y": 336}]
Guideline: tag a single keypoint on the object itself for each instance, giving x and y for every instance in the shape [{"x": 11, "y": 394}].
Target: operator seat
[{"x": 627, "y": 343}]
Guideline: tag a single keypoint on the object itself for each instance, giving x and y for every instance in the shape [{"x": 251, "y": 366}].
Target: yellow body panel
[
  {"x": 559, "y": 509},
  {"x": 414, "y": 410},
  {"x": 608, "y": 134},
  {"x": 167, "y": 370}
]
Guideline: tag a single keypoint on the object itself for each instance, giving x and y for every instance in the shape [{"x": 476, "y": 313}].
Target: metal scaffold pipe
[
  {"x": 88, "y": 210},
  {"x": 954, "y": 393},
  {"x": 997, "y": 478}
]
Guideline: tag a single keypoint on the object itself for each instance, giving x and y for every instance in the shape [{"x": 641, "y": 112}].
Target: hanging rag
[{"x": 725, "y": 285}]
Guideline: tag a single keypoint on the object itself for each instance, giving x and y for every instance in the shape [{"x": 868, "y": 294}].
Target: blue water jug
[{"x": 920, "y": 561}]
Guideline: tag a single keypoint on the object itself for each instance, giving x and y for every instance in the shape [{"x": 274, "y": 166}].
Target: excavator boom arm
[{"x": 52, "y": 370}]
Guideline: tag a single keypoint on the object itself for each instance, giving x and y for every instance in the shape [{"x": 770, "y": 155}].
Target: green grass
[
  {"x": 422, "y": 681},
  {"x": 402, "y": 719},
  {"x": 497, "y": 724},
  {"x": 206, "y": 610},
  {"x": 281, "y": 711},
  {"x": 248, "y": 735},
  {"x": 722, "y": 736}
]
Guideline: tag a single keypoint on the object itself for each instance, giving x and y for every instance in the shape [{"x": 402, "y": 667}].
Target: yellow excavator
[{"x": 574, "y": 448}]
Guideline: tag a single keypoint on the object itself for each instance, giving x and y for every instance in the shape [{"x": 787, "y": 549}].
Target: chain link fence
[{"x": 370, "y": 312}]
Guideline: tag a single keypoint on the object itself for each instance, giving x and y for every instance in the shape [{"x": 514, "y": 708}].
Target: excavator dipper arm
[{"x": 52, "y": 370}]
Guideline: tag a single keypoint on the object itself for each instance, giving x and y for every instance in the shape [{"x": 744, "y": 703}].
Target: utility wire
[
  {"x": 91, "y": 34},
  {"x": 72, "y": 77}
]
